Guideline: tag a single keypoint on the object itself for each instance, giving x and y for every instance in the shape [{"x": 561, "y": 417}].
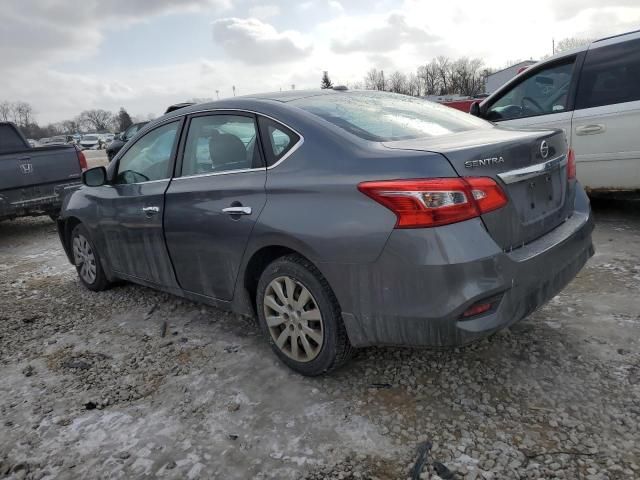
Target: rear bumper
[{"x": 416, "y": 292}]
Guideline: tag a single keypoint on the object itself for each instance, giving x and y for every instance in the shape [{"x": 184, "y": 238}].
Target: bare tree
[
  {"x": 413, "y": 85},
  {"x": 428, "y": 78},
  {"x": 23, "y": 114},
  {"x": 71, "y": 126},
  {"x": 397, "y": 82},
  {"x": 375, "y": 80},
  {"x": 98, "y": 119}
]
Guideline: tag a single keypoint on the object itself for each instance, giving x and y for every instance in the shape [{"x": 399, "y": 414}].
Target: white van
[{"x": 593, "y": 94}]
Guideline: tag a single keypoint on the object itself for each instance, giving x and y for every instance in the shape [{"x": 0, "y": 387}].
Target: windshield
[
  {"x": 384, "y": 117},
  {"x": 90, "y": 137}
]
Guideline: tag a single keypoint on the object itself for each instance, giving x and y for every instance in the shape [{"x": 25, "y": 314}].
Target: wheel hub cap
[
  {"x": 84, "y": 258},
  {"x": 293, "y": 319}
]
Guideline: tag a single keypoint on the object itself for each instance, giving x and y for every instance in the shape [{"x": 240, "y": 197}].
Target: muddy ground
[{"x": 131, "y": 383}]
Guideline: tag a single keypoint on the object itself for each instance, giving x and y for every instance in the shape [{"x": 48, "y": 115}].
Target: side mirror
[
  {"x": 94, "y": 177},
  {"x": 474, "y": 109}
]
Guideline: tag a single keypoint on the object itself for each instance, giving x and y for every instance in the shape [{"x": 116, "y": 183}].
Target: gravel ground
[{"x": 132, "y": 383}]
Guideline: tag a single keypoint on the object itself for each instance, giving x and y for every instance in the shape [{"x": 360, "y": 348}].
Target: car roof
[{"x": 259, "y": 99}]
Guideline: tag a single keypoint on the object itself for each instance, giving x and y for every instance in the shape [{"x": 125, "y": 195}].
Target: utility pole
[
  {"x": 218, "y": 94},
  {"x": 234, "y": 90},
  {"x": 553, "y": 46}
]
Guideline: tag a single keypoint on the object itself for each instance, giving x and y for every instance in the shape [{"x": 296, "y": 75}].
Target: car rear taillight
[
  {"x": 477, "y": 309},
  {"x": 82, "y": 160},
  {"x": 571, "y": 165},
  {"x": 432, "y": 202}
]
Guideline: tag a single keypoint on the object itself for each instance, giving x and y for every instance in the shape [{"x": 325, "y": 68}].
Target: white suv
[{"x": 593, "y": 94}]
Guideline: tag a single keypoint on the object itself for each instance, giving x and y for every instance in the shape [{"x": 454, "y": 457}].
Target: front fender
[{"x": 81, "y": 207}]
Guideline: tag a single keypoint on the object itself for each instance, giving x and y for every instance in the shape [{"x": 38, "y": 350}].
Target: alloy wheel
[
  {"x": 293, "y": 319},
  {"x": 84, "y": 259}
]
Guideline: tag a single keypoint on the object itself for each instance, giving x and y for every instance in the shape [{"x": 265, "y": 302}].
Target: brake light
[
  {"x": 571, "y": 165},
  {"x": 432, "y": 202},
  {"x": 82, "y": 160}
]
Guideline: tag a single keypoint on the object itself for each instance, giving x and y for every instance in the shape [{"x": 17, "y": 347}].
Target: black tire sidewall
[
  {"x": 101, "y": 280},
  {"x": 325, "y": 302}
]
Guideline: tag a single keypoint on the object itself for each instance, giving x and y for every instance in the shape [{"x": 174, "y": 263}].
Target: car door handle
[
  {"x": 590, "y": 129},
  {"x": 237, "y": 210},
  {"x": 150, "y": 210}
]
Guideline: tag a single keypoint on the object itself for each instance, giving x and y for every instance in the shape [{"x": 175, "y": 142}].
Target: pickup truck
[{"x": 34, "y": 180}]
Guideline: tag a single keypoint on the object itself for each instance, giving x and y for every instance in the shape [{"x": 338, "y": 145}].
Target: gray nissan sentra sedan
[{"x": 340, "y": 218}]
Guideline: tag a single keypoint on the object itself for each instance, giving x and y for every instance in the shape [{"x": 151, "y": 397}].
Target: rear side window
[
  {"x": 221, "y": 143},
  {"x": 610, "y": 75},
  {"x": 278, "y": 140},
  {"x": 10, "y": 140}
]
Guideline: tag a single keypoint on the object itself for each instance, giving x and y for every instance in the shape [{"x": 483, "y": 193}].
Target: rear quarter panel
[
  {"x": 315, "y": 208},
  {"x": 313, "y": 201}
]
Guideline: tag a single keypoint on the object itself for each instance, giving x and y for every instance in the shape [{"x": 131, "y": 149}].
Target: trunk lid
[
  {"x": 530, "y": 166},
  {"x": 27, "y": 170}
]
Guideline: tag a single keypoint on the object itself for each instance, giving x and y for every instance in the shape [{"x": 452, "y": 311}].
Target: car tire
[
  {"x": 87, "y": 260},
  {"x": 295, "y": 303}
]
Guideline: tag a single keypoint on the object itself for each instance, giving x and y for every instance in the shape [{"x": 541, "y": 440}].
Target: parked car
[
  {"x": 593, "y": 94},
  {"x": 118, "y": 142},
  {"x": 91, "y": 142},
  {"x": 61, "y": 139},
  {"x": 33, "y": 181},
  {"x": 341, "y": 219}
]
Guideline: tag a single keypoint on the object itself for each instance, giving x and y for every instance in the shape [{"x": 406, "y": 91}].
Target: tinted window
[
  {"x": 277, "y": 139},
  {"x": 9, "y": 139},
  {"x": 386, "y": 116},
  {"x": 544, "y": 92},
  {"x": 610, "y": 75},
  {"x": 150, "y": 157},
  {"x": 219, "y": 143}
]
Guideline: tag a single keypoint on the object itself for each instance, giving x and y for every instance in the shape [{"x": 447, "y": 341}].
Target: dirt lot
[{"x": 131, "y": 383}]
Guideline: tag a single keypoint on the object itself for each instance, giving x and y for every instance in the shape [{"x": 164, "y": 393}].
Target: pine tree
[
  {"x": 326, "y": 81},
  {"x": 124, "y": 120}
]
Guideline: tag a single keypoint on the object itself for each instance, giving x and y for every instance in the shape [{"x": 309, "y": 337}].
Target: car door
[
  {"x": 542, "y": 97},
  {"x": 607, "y": 116},
  {"x": 214, "y": 200},
  {"x": 131, "y": 207}
]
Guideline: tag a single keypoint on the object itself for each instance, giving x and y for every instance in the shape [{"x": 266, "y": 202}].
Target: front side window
[
  {"x": 544, "y": 92},
  {"x": 277, "y": 139},
  {"x": 150, "y": 157},
  {"x": 220, "y": 143},
  {"x": 610, "y": 75},
  {"x": 383, "y": 117}
]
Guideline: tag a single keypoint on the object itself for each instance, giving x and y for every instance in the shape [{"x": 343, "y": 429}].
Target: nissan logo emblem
[{"x": 544, "y": 149}]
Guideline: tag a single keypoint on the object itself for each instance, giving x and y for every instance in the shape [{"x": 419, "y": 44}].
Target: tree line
[
  {"x": 96, "y": 120},
  {"x": 441, "y": 76}
]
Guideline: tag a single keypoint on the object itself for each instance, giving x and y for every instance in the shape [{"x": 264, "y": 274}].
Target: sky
[{"x": 65, "y": 56}]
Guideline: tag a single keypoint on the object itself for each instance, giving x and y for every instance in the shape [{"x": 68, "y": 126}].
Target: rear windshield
[
  {"x": 9, "y": 139},
  {"x": 382, "y": 117},
  {"x": 90, "y": 137}
]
